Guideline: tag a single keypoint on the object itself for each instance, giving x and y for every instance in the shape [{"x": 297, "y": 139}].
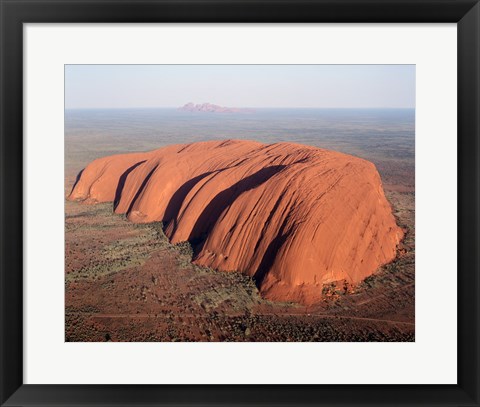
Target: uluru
[{"x": 293, "y": 217}]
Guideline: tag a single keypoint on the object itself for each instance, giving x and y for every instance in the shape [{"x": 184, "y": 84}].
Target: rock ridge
[
  {"x": 291, "y": 216},
  {"x": 211, "y": 108}
]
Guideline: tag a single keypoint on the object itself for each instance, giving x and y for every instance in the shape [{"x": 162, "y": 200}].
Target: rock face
[
  {"x": 208, "y": 107},
  {"x": 293, "y": 217}
]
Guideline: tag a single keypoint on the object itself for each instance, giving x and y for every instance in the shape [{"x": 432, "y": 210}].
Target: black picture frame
[{"x": 14, "y": 13}]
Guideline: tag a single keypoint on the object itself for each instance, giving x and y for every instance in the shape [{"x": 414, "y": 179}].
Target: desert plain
[{"x": 130, "y": 281}]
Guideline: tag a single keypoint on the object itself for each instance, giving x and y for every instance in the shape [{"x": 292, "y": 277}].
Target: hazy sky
[{"x": 340, "y": 86}]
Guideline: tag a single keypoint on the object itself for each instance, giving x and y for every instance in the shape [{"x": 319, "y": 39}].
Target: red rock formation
[
  {"x": 211, "y": 108},
  {"x": 292, "y": 216}
]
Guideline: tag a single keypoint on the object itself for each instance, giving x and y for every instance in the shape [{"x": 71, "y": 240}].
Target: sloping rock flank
[{"x": 294, "y": 217}]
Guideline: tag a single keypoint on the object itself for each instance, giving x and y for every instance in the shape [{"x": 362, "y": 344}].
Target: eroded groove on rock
[{"x": 294, "y": 217}]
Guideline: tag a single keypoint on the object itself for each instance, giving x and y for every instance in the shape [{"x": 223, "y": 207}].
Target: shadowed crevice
[
  {"x": 140, "y": 190},
  {"x": 121, "y": 184},
  {"x": 175, "y": 203},
  {"x": 271, "y": 252},
  {"x": 79, "y": 175},
  {"x": 268, "y": 258},
  {"x": 223, "y": 200}
]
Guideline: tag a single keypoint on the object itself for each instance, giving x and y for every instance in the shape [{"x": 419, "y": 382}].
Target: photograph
[
  {"x": 190, "y": 189},
  {"x": 239, "y": 203}
]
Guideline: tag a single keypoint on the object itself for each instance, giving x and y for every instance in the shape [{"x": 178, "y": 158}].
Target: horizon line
[{"x": 240, "y": 107}]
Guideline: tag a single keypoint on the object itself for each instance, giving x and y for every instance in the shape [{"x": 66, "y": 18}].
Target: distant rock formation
[
  {"x": 208, "y": 107},
  {"x": 294, "y": 217}
]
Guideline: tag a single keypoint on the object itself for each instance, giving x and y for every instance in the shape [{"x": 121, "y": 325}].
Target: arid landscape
[{"x": 130, "y": 277}]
